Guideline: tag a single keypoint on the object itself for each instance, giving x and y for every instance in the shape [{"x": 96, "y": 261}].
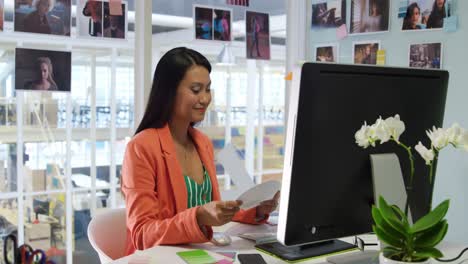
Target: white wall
[{"x": 452, "y": 172}]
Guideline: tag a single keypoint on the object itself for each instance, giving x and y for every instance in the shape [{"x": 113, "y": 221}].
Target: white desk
[{"x": 165, "y": 254}]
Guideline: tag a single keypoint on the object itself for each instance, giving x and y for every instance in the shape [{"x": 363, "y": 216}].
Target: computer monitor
[{"x": 327, "y": 190}]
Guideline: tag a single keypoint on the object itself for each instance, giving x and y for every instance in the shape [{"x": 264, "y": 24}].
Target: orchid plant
[{"x": 405, "y": 242}]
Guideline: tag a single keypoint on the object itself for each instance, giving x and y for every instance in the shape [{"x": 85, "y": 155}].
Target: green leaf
[
  {"x": 390, "y": 252},
  {"x": 385, "y": 226},
  {"x": 432, "y": 236},
  {"x": 390, "y": 217},
  {"x": 428, "y": 253},
  {"x": 398, "y": 243},
  {"x": 432, "y": 218},
  {"x": 401, "y": 215}
]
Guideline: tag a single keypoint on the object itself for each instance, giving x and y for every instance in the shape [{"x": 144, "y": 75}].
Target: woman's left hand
[{"x": 268, "y": 206}]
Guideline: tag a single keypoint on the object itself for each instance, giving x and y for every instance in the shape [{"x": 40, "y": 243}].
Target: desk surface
[{"x": 242, "y": 246}]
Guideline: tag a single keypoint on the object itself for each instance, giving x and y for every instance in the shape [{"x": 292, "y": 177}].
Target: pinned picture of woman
[
  {"x": 438, "y": 13},
  {"x": 222, "y": 24},
  {"x": 43, "y": 16},
  {"x": 45, "y": 76},
  {"x": 411, "y": 20}
]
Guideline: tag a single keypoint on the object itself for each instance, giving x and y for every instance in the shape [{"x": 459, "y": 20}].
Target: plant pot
[{"x": 384, "y": 260}]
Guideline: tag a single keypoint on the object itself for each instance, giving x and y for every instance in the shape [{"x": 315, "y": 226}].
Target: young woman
[
  {"x": 45, "y": 77},
  {"x": 168, "y": 176},
  {"x": 436, "y": 18},
  {"x": 411, "y": 19}
]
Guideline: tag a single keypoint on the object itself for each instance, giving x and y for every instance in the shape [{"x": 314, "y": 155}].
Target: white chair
[{"x": 107, "y": 233}]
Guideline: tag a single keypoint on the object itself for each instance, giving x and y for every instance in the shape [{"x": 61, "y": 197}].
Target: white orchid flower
[
  {"x": 438, "y": 137},
  {"x": 362, "y": 136},
  {"x": 379, "y": 131},
  {"x": 395, "y": 126},
  {"x": 426, "y": 154},
  {"x": 464, "y": 140},
  {"x": 454, "y": 134}
]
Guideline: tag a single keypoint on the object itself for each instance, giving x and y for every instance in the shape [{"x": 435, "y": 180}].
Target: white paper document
[{"x": 259, "y": 193}]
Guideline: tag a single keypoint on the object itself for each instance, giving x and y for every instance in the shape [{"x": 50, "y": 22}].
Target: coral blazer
[{"x": 156, "y": 195}]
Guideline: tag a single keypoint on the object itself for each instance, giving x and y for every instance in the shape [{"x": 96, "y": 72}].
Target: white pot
[{"x": 384, "y": 260}]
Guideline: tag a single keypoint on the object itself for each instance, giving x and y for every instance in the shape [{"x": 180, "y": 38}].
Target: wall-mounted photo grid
[
  {"x": 426, "y": 55},
  {"x": 424, "y": 14},
  {"x": 369, "y": 16},
  {"x": 366, "y": 52},
  {"x": 212, "y": 23},
  {"x": 326, "y": 53},
  {"x": 258, "y": 35},
  {"x": 1, "y": 15},
  {"x": 43, "y": 17},
  {"x": 96, "y": 19},
  {"x": 42, "y": 70},
  {"x": 328, "y": 14}
]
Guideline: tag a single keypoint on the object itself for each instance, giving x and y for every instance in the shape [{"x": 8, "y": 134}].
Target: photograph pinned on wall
[
  {"x": 366, "y": 52},
  {"x": 328, "y": 14},
  {"x": 89, "y": 18},
  {"x": 222, "y": 24},
  {"x": 114, "y": 26},
  {"x": 203, "y": 22},
  {"x": 42, "y": 70},
  {"x": 258, "y": 35},
  {"x": 43, "y": 16},
  {"x": 369, "y": 16},
  {"x": 426, "y": 55},
  {"x": 326, "y": 53},
  {"x": 426, "y": 14},
  {"x": 238, "y": 2},
  {"x": 1, "y": 15}
]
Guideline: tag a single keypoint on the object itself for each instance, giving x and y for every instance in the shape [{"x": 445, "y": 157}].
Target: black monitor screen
[{"x": 330, "y": 190}]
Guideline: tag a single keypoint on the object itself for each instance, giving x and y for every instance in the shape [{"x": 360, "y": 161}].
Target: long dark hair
[
  {"x": 436, "y": 11},
  {"x": 409, "y": 14},
  {"x": 169, "y": 73}
]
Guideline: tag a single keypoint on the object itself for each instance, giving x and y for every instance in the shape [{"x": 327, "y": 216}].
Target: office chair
[{"x": 107, "y": 233}]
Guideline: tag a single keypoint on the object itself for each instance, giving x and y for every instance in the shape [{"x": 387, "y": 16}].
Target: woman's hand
[
  {"x": 217, "y": 213},
  {"x": 268, "y": 206}
]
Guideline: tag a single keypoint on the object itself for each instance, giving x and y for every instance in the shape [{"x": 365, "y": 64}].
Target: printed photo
[
  {"x": 426, "y": 14},
  {"x": 238, "y": 2},
  {"x": 366, "y": 53},
  {"x": 43, "y": 16},
  {"x": 329, "y": 14},
  {"x": 42, "y": 70},
  {"x": 89, "y": 18},
  {"x": 427, "y": 55},
  {"x": 369, "y": 16},
  {"x": 1, "y": 15},
  {"x": 203, "y": 23},
  {"x": 326, "y": 53},
  {"x": 114, "y": 25},
  {"x": 258, "y": 35},
  {"x": 222, "y": 24}
]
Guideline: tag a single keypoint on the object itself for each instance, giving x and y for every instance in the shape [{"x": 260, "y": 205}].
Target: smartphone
[{"x": 251, "y": 259}]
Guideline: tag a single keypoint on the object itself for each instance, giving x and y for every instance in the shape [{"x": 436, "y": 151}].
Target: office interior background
[{"x": 69, "y": 146}]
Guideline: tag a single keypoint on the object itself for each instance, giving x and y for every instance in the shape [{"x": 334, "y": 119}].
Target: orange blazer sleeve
[{"x": 146, "y": 225}]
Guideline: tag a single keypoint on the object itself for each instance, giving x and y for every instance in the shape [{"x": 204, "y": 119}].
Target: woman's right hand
[{"x": 217, "y": 213}]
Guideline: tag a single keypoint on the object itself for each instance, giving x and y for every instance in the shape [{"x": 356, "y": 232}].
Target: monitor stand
[
  {"x": 361, "y": 257},
  {"x": 315, "y": 250}
]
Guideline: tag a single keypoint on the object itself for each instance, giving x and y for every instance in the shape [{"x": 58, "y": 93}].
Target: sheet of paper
[
  {"x": 259, "y": 193},
  {"x": 342, "y": 32},
  {"x": 451, "y": 24},
  {"x": 234, "y": 166},
  {"x": 196, "y": 256},
  {"x": 381, "y": 55}
]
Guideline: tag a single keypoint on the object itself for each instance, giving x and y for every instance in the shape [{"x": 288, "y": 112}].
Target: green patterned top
[{"x": 198, "y": 194}]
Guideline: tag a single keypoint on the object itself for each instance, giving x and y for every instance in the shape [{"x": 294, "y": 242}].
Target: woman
[
  {"x": 168, "y": 175},
  {"x": 37, "y": 21},
  {"x": 411, "y": 19},
  {"x": 373, "y": 22},
  {"x": 45, "y": 80},
  {"x": 255, "y": 27},
  {"x": 436, "y": 18}
]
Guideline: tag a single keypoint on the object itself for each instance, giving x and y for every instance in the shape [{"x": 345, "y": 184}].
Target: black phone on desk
[{"x": 251, "y": 259}]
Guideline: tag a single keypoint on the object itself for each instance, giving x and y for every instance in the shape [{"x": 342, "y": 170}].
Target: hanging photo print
[
  {"x": 203, "y": 23},
  {"x": 326, "y": 53},
  {"x": 428, "y": 55},
  {"x": 95, "y": 19},
  {"x": 1, "y": 15},
  {"x": 238, "y": 2},
  {"x": 366, "y": 52},
  {"x": 212, "y": 23},
  {"x": 258, "y": 35},
  {"x": 43, "y": 16},
  {"x": 426, "y": 14},
  {"x": 369, "y": 16},
  {"x": 328, "y": 14},
  {"x": 42, "y": 70},
  {"x": 222, "y": 24}
]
